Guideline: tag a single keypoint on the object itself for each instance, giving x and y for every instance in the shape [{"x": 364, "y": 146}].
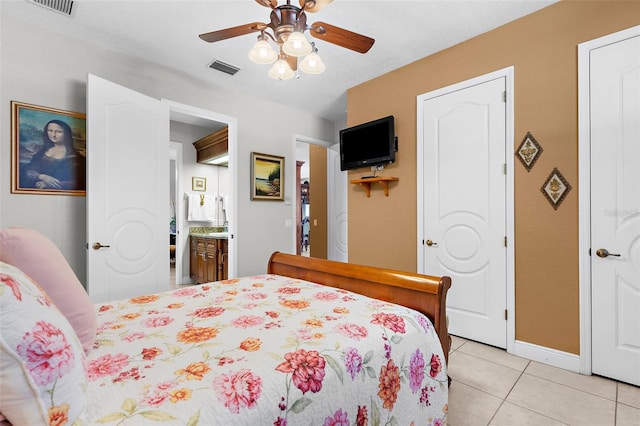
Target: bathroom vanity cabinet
[{"x": 208, "y": 258}]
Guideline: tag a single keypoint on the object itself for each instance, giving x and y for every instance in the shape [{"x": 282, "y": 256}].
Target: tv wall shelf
[{"x": 384, "y": 181}]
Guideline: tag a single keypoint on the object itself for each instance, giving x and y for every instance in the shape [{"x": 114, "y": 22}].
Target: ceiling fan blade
[
  {"x": 268, "y": 3},
  {"x": 313, "y": 5},
  {"x": 233, "y": 32},
  {"x": 341, "y": 37}
]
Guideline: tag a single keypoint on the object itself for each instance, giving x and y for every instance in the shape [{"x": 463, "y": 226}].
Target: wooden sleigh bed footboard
[{"x": 424, "y": 293}]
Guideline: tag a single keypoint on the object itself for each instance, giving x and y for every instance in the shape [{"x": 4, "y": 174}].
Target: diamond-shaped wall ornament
[
  {"x": 529, "y": 151},
  {"x": 555, "y": 188}
]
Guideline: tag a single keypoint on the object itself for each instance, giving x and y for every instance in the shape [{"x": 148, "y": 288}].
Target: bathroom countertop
[
  {"x": 217, "y": 235},
  {"x": 209, "y": 232}
]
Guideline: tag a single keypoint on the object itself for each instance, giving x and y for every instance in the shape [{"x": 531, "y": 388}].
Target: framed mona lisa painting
[{"x": 48, "y": 150}]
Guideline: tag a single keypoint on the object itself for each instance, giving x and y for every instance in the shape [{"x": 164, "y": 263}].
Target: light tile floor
[{"x": 491, "y": 387}]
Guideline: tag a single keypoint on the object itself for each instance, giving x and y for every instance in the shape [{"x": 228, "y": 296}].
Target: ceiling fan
[{"x": 287, "y": 26}]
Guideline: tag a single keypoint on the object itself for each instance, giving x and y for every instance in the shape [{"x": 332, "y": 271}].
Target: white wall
[{"x": 44, "y": 68}]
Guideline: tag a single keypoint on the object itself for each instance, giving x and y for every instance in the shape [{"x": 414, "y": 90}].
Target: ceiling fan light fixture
[
  {"x": 291, "y": 50},
  {"x": 297, "y": 45},
  {"x": 312, "y": 64},
  {"x": 281, "y": 70},
  {"x": 262, "y": 52}
]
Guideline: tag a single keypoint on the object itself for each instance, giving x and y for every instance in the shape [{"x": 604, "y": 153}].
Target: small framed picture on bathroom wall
[{"x": 199, "y": 184}]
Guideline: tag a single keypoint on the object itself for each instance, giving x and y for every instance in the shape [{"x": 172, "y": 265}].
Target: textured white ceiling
[{"x": 166, "y": 32}]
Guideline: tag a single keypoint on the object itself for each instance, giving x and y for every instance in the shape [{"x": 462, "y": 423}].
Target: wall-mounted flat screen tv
[{"x": 368, "y": 144}]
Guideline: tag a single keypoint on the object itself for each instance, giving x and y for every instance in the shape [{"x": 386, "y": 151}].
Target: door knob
[
  {"x": 98, "y": 246},
  {"x": 604, "y": 253},
  {"x": 431, "y": 243}
]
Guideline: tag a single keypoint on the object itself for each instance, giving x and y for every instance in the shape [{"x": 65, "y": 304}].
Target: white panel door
[
  {"x": 465, "y": 206},
  {"x": 337, "y": 206},
  {"x": 127, "y": 192},
  {"x": 615, "y": 209}
]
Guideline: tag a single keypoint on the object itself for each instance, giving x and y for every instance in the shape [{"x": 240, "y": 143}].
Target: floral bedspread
[{"x": 264, "y": 350}]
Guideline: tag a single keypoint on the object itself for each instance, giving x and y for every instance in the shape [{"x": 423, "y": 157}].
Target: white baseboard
[{"x": 553, "y": 357}]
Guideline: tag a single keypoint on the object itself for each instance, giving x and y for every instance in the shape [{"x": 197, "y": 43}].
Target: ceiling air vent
[
  {"x": 225, "y": 68},
  {"x": 62, "y": 6}
]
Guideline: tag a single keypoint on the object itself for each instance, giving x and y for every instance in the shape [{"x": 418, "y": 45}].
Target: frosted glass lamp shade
[
  {"x": 297, "y": 45},
  {"x": 281, "y": 70},
  {"x": 262, "y": 53},
  {"x": 312, "y": 64}
]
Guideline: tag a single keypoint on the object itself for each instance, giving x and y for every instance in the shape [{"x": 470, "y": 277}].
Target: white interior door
[
  {"x": 615, "y": 209},
  {"x": 464, "y": 204},
  {"x": 127, "y": 192},
  {"x": 337, "y": 206}
]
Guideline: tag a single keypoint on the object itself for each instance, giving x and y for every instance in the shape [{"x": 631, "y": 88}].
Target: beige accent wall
[
  {"x": 318, "y": 196},
  {"x": 542, "y": 47}
]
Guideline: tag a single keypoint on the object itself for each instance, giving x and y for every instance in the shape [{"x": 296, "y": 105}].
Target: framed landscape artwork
[{"x": 267, "y": 177}]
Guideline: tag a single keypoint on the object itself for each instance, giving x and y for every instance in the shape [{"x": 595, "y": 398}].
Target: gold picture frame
[
  {"x": 267, "y": 177},
  {"x": 529, "y": 151},
  {"x": 48, "y": 150},
  {"x": 199, "y": 184},
  {"x": 556, "y": 188}
]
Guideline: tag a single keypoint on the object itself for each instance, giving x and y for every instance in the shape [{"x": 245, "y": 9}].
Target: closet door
[
  {"x": 615, "y": 208},
  {"x": 464, "y": 195}
]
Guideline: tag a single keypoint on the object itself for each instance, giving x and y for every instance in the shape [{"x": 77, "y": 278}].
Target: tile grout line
[
  {"x": 522, "y": 373},
  {"x": 615, "y": 412},
  {"x": 568, "y": 386},
  {"x": 508, "y": 393},
  {"x": 499, "y": 363},
  {"x": 528, "y": 363}
]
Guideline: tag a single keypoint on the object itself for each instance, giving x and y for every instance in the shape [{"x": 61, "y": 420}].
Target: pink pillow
[
  {"x": 39, "y": 258},
  {"x": 43, "y": 378}
]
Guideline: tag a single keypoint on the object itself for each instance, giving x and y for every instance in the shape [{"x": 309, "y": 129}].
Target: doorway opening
[
  {"x": 196, "y": 122},
  {"x": 147, "y": 212},
  {"x": 175, "y": 217},
  {"x": 311, "y": 230},
  {"x": 303, "y": 200}
]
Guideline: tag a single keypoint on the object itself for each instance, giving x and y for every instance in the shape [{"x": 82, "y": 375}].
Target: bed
[{"x": 310, "y": 342}]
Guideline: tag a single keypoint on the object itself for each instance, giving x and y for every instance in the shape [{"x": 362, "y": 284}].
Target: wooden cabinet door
[
  {"x": 193, "y": 258},
  {"x": 208, "y": 261},
  {"x": 223, "y": 256},
  {"x": 211, "y": 268},
  {"x": 201, "y": 260}
]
